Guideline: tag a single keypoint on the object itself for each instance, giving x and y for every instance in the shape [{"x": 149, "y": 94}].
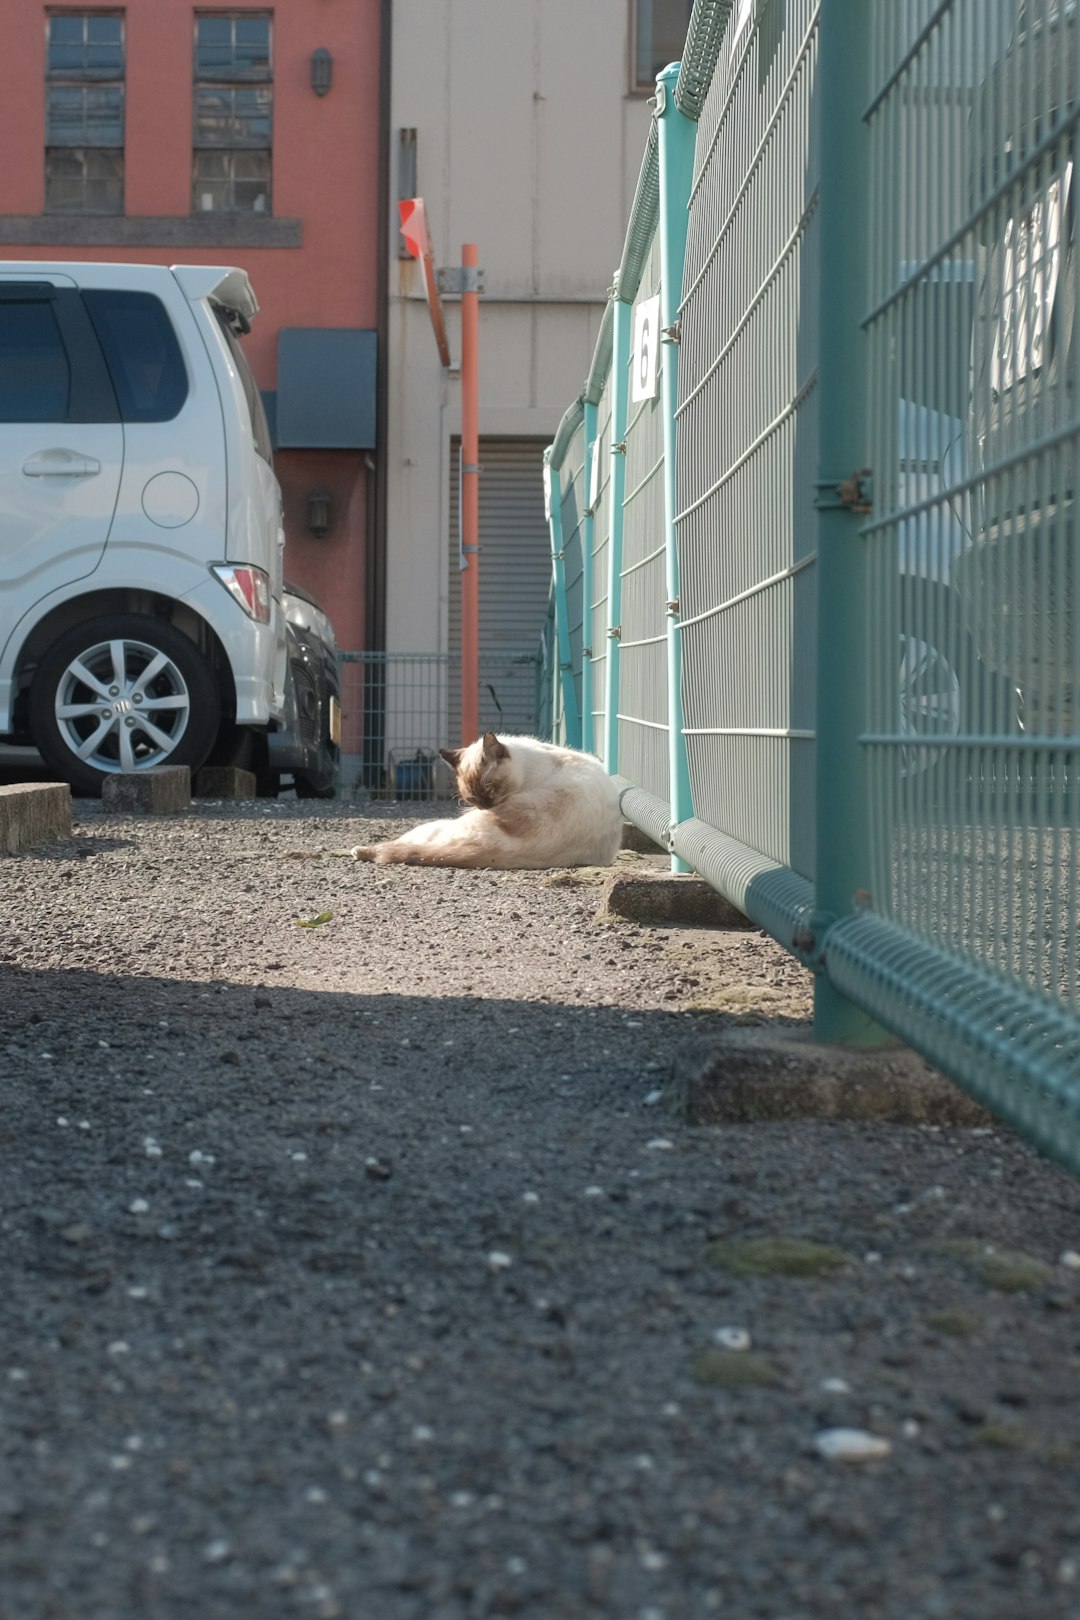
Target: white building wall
[{"x": 529, "y": 144}]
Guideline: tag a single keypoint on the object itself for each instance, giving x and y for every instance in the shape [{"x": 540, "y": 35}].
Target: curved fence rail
[{"x": 816, "y": 511}]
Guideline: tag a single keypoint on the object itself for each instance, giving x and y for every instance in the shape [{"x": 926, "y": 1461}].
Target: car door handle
[{"x": 61, "y": 464}]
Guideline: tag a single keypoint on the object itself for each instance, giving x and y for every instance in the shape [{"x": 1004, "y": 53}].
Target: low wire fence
[
  {"x": 813, "y": 517},
  {"x": 399, "y": 709}
]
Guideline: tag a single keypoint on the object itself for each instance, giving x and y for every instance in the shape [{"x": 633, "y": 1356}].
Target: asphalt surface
[{"x": 361, "y": 1270}]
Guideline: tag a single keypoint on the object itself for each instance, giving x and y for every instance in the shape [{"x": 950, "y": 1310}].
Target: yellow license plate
[{"x": 335, "y": 722}]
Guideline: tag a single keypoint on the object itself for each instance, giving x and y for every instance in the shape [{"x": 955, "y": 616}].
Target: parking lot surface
[{"x": 361, "y": 1270}]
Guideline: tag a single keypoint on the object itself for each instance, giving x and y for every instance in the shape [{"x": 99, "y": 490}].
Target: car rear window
[
  {"x": 260, "y": 428},
  {"x": 35, "y": 379},
  {"x": 142, "y": 353}
]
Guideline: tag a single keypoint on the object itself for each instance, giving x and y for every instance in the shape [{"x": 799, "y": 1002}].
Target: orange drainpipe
[{"x": 470, "y": 496}]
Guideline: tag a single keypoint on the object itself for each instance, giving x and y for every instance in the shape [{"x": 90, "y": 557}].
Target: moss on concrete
[
  {"x": 733, "y": 1369},
  {"x": 954, "y": 1321},
  {"x": 777, "y": 1257},
  {"x": 999, "y": 1436},
  {"x": 1010, "y": 1271}
]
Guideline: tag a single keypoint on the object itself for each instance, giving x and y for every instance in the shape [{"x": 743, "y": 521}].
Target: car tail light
[{"x": 249, "y": 586}]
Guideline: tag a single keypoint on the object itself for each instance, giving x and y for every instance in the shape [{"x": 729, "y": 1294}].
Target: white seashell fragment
[
  {"x": 732, "y": 1338},
  {"x": 851, "y": 1445}
]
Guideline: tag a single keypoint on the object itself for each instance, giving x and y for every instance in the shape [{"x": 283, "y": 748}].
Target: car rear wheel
[
  {"x": 124, "y": 693},
  {"x": 930, "y": 707}
]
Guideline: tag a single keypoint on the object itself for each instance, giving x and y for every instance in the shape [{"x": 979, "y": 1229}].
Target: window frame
[
  {"x": 231, "y": 82},
  {"x": 639, "y": 87},
  {"x": 86, "y": 79}
]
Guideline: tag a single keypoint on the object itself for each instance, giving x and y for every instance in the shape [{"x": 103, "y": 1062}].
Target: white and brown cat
[{"x": 530, "y": 804}]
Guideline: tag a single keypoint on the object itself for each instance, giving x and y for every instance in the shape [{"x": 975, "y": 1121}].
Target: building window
[
  {"x": 84, "y": 113},
  {"x": 659, "y": 34},
  {"x": 233, "y": 114}
]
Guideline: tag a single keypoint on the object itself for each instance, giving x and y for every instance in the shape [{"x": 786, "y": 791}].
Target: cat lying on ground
[{"x": 531, "y": 804}]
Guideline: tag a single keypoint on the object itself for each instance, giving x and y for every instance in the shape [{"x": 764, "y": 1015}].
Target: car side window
[
  {"x": 143, "y": 356},
  {"x": 35, "y": 378},
  {"x": 260, "y": 427}
]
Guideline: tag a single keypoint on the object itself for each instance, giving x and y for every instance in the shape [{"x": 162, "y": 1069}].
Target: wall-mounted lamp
[
  {"x": 322, "y": 70},
  {"x": 318, "y": 513}
]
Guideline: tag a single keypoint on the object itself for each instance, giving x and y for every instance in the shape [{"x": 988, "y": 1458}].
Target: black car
[{"x": 309, "y": 744}]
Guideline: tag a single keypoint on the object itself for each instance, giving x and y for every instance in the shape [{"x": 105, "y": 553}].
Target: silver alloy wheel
[
  {"x": 929, "y": 693},
  {"x": 122, "y": 706}
]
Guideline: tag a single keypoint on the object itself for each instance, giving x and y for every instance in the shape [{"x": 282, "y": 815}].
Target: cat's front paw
[{"x": 363, "y": 852}]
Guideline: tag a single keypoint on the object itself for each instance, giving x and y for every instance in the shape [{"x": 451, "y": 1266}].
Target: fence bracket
[
  {"x": 672, "y": 334},
  {"x": 459, "y": 279},
  {"x": 808, "y": 943},
  {"x": 619, "y": 449},
  {"x": 856, "y": 492},
  {"x": 615, "y": 632}
]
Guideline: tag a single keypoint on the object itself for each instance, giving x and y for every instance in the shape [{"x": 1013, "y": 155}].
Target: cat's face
[{"x": 481, "y": 770}]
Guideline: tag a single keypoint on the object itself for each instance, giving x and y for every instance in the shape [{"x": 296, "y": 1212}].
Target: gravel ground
[{"x": 358, "y": 1270}]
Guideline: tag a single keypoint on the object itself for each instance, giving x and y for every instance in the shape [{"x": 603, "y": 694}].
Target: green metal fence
[{"x": 830, "y": 548}]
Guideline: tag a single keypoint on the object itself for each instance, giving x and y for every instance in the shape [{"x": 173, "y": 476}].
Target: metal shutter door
[{"x": 515, "y": 578}]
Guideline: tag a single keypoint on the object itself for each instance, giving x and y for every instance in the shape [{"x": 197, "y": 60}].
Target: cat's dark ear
[
  {"x": 451, "y": 756},
  {"x": 493, "y": 748}
]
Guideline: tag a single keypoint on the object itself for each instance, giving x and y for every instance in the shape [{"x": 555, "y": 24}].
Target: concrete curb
[
  {"x": 746, "y": 1076},
  {"x": 225, "y": 782},
  {"x": 34, "y": 813},
  {"x": 669, "y": 897},
  {"x": 634, "y": 839},
  {"x": 164, "y": 790}
]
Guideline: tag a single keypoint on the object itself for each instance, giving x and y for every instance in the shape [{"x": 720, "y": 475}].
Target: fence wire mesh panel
[
  {"x": 975, "y": 388},
  {"x": 973, "y": 537},
  {"x": 548, "y": 715},
  {"x": 599, "y": 619},
  {"x": 394, "y": 710},
  {"x": 643, "y": 705},
  {"x": 881, "y": 264},
  {"x": 573, "y": 497},
  {"x": 747, "y": 433}
]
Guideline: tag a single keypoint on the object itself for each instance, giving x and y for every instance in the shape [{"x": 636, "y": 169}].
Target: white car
[{"x": 141, "y": 539}]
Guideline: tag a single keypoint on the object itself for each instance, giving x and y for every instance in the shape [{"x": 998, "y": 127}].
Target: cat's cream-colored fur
[{"x": 530, "y": 804}]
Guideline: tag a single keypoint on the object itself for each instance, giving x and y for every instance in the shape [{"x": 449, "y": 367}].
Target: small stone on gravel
[{"x": 851, "y": 1445}]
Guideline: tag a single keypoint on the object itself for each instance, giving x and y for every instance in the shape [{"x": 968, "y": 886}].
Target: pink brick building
[{"x": 160, "y": 131}]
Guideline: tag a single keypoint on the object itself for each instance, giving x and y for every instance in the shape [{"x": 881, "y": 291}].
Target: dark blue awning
[{"x": 326, "y": 389}]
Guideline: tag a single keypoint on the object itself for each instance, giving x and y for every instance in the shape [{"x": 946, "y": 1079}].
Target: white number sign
[
  {"x": 645, "y": 383},
  {"x": 594, "y": 474}
]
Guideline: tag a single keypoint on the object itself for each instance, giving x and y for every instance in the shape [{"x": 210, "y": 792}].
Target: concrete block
[
  {"x": 745, "y": 1076},
  {"x": 164, "y": 790},
  {"x": 634, "y": 839},
  {"x": 224, "y": 782},
  {"x": 34, "y": 813},
  {"x": 669, "y": 897}
]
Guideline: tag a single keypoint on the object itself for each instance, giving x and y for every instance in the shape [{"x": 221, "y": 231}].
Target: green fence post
[
  {"x": 676, "y": 137},
  {"x": 842, "y": 787},
  {"x": 553, "y": 495},
  {"x": 588, "y": 527},
  {"x": 622, "y": 315}
]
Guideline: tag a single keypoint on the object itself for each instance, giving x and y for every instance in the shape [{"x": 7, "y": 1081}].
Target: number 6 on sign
[{"x": 645, "y": 383}]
